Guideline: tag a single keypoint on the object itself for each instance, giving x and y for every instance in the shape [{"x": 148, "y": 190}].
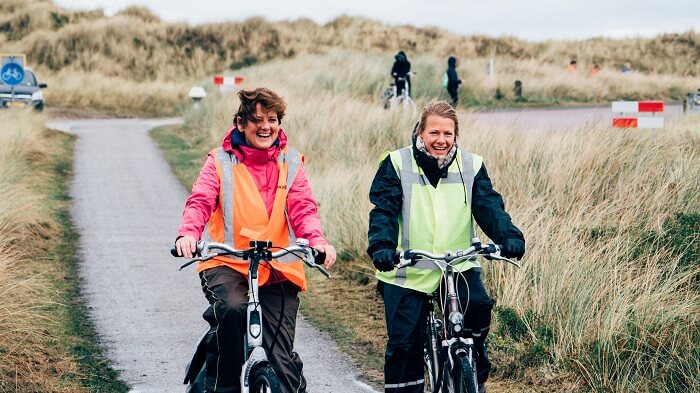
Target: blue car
[{"x": 27, "y": 94}]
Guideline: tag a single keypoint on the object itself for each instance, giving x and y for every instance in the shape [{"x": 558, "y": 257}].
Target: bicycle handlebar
[
  {"x": 311, "y": 257},
  {"x": 488, "y": 251}
]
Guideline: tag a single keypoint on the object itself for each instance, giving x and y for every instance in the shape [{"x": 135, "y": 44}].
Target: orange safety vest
[{"x": 241, "y": 216}]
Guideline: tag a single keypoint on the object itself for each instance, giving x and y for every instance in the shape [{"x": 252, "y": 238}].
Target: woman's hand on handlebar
[
  {"x": 186, "y": 246},
  {"x": 330, "y": 254}
]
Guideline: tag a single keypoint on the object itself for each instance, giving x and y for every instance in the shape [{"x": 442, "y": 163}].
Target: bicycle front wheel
[
  {"x": 468, "y": 380},
  {"x": 265, "y": 381}
]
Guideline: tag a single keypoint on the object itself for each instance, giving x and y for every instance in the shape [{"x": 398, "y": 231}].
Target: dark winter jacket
[
  {"x": 386, "y": 195},
  {"x": 401, "y": 66},
  {"x": 453, "y": 80}
]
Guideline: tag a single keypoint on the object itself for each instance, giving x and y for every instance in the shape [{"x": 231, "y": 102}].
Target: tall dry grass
[
  {"x": 88, "y": 41},
  {"x": 137, "y": 46},
  {"x": 602, "y": 302},
  {"x": 30, "y": 361},
  {"x": 146, "y": 53},
  {"x": 113, "y": 95}
]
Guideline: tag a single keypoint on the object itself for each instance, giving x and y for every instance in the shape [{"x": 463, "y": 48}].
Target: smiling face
[
  {"x": 438, "y": 135},
  {"x": 262, "y": 129}
]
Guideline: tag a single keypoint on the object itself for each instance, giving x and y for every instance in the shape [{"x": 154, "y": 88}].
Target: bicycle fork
[
  {"x": 254, "y": 351},
  {"x": 458, "y": 348}
]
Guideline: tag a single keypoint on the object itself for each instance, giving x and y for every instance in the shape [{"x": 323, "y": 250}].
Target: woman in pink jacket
[{"x": 257, "y": 142}]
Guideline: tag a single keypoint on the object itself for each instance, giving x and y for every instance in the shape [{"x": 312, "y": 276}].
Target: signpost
[{"x": 12, "y": 72}]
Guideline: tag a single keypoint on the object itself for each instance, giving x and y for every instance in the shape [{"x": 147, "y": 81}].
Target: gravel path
[{"x": 126, "y": 207}]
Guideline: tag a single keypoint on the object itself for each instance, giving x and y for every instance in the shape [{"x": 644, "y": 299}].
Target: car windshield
[{"x": 29, "y": 79}]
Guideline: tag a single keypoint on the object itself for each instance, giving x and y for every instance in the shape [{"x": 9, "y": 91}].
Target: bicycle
[
  {"x": 391, "y": 100},
  {"x": 257, "y": 374},
  {"x": 449, "y": 354}
]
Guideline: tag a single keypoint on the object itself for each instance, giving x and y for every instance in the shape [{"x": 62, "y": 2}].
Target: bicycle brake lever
[
  {"x": 316, "y": 261},
  {"x": 323, "y": 271}
]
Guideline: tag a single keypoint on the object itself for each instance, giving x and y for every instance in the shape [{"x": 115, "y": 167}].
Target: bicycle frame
[
  {"x": 405, "y": 97},
  {"x": 255, "y": 353}
]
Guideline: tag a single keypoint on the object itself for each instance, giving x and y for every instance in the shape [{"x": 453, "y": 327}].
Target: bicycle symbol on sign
[{"x": 12, "y": 74}]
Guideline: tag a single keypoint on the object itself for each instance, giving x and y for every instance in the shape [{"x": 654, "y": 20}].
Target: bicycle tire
[
  {"x": 265, "y": 381},
  {"x": 469, "y": 384},
  {"x": 433, "y": 383}
]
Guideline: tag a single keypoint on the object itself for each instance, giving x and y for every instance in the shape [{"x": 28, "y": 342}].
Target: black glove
[
  {"x": 513, "y": 248},
  {"x": 383, "y": 260}
]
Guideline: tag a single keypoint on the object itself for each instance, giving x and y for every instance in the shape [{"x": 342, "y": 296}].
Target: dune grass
[
  {"x": 608, "y": 299},
  {"x": 134, "y": 64},
  {"x": 46, "y": 344}
]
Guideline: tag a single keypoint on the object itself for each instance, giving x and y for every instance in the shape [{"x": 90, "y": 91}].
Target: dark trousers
[
  {"x": 406, "y": 311},
  {"x": 452, "y": 90},
  {"x": 401, "y": 84},
  {"x": 226, "y": 290}
]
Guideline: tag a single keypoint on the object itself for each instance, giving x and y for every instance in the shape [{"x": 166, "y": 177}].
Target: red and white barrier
[
  {"x": 228, "y": 83},
  {"x": 638, "y": 107}
]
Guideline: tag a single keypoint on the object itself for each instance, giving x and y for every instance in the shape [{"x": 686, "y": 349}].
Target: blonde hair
[{"x": 438, "y": 108}]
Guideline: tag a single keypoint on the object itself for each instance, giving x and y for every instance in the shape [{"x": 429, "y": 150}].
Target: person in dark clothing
[
  {"x": 400, "y": 71},
  {"x": 453, "y": 80},
  {"x": 436, "y": 213}
]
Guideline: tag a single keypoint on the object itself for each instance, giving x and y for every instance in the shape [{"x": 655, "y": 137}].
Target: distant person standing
[
  {"x": 453, "y": 80},
  {"x": 571, "y": 68},
  {"x": 400, "y": 71},
  {"x": 595, "y": 69},
  {"x": 626, "y": 68}
]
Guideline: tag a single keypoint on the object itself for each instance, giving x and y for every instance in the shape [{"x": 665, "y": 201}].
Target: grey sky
[{"x": 528, "y": 19}]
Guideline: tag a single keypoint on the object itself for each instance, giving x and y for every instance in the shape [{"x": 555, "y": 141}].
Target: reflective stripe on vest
[
  {"x": 409, "y": 178},
  {"x": 441, "y": 210},
  {"x": 289, "y": 156},
  {"x": 239, "y": 196}
]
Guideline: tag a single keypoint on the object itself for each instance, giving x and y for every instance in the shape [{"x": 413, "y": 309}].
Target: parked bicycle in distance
[
  {"x": 449, "y": 352},
  {"x": 257, "y": 374},
  {"x": 403, "y": 102}
]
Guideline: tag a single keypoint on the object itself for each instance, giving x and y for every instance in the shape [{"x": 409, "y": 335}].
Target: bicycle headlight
[
  {"x": 255, "y": 331},
  {"x": 37, "y": 96},
  {"x": 456, "y": 319},
  {"x": 255, "y": 326}
]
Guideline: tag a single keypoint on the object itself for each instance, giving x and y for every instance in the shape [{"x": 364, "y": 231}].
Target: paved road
[{"x": 127, "y": 206}]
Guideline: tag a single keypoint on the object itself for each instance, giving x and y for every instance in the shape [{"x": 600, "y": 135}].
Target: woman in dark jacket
[
  {"x": 453, "y": 81},
  {"x": 435, "y": 153},
  {"x": 400, "y": 69}
]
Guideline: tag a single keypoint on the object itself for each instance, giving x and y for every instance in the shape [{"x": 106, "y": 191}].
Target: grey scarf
[{"x": 441, "y": 161}]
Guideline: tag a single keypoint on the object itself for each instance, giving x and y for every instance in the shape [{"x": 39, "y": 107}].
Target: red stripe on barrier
[
  {"x": 218, "y": 80},
  {"x": 651, "y": 106},
  {"x": 624, "y": 122},
  {"x": 238, "y": 80}
]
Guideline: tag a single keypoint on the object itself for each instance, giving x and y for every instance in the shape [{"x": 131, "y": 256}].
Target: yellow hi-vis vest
[
  {"x": 241, "y": 216},
  {"x": 436, "y": 219}
]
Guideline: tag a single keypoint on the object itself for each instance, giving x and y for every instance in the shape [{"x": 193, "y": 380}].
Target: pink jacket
[{"x": 262, "y": 165}]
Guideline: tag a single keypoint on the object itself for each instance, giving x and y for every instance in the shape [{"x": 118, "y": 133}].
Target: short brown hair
[
  {"x": 438, "y": 108},
  {"x": 268, "y": 100}
]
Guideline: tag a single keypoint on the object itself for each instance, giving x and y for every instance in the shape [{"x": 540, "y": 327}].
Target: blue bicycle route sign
[
  {"x": 12, "y": 70},
  {"x": 12, "y": 74}
]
